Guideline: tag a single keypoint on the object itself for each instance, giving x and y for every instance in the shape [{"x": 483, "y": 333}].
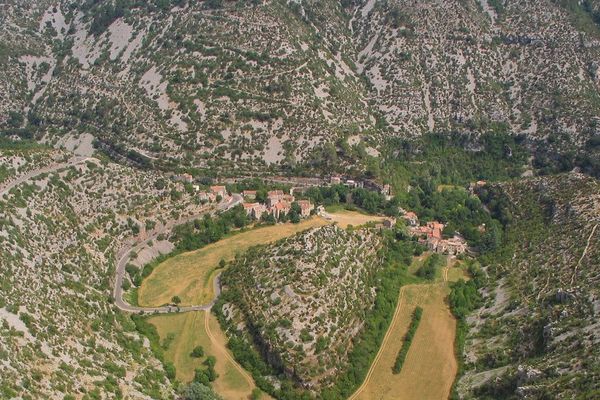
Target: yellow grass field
[
  {"x": 189, "y": 330},
  {"x": 190, "y": 275},
  {"x": 344, "y": 218},
  {"x": 430, "y": 367}
]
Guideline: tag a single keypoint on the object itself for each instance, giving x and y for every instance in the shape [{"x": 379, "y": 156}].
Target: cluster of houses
[
  {"x": 430, "y": 235},
  {"x": 277, "y": 204},
  {"x": 215, "y": 193},
  {"x": 386, "y": 189}
]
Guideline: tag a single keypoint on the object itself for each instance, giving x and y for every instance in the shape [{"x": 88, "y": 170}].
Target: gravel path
[{"x": 5, "y": 188}]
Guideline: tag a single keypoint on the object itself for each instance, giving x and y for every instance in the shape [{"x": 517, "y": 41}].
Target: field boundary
[
  {"x": 215, "y": 342},
  {"x": 381, "y": 347}
]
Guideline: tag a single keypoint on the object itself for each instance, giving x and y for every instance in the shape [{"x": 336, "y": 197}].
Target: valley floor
[
  {"x": 430, "y": 367},
  {"x": 181, "y": 333},
  {"x": 190, "y": 276}
]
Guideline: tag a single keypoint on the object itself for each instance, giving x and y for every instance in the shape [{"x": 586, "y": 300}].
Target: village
[{"x": 279, "y": 205}]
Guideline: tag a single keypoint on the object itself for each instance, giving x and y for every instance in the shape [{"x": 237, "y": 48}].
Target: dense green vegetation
[
  {"x": 148, "y": 330},
  {"x": 462, "y": 212},
  {"x": 200, "y": 232},
  {"x": 368, "y": 200},
  {"x": 198, "y": 391},
  {"x": 410, "y": 334},
  {"x": 8, "y": 144},
  {"x": 452, "y": 158},
  {"x": 464, "y": 298},
  {"x": 397, "y": 255},
  {"x": 430, "y": 267}
]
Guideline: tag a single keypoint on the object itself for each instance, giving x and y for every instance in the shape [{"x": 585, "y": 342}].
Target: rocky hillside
[
  {"x": 252, "y": 84},
  {"x": 304, "y": 299},
  {"x": 59, "y": 333},
  {"x": 538, "y": 333},
  {"x": 519, "y": 66}
]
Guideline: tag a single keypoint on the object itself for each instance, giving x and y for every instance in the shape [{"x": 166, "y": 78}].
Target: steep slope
[
  {"x": 304, "y": 300},
  {"x": 59, "y": 232},
  {"x": 538, "y": 333},
  {"x": 521, "y": 67},
  {"x": 254, "y": 84}
]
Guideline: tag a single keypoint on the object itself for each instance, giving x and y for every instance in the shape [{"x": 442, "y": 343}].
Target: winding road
[
  {"x": 123, "y": 257},
  {"x": 134, "y": 245}
]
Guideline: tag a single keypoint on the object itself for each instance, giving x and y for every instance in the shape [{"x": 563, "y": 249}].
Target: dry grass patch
[
  {"x": 188, "y": 330},
  {"x": 430, "y": 366},
  {"x": 344, "y": 218},
  {"x": 190, "y": 275}
]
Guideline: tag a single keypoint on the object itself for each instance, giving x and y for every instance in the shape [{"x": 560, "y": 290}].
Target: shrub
[{"x": 412, "y": 329}]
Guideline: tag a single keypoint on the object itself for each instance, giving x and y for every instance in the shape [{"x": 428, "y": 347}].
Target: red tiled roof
[
  {"x": 304, "y": 203},
  {"x": 217, "y": 188}
]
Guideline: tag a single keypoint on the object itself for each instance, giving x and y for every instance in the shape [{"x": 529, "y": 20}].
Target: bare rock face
[{"x": 305, "y": 298}]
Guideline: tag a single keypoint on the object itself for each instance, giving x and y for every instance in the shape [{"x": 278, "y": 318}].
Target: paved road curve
[
  {"x": 123, "y": 257},
  {"x": 132, "y": 245}
]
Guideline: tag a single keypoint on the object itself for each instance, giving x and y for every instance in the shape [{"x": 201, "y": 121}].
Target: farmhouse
[
  {"x": 431, "y": 236},
  {"x": 453, "y": 246},
  {"x": 411, "y": 218},
  {"x": 205, "y": 196},
  {"x": 274, "y": 197},
  {"x": 249, "y": 194},
  {"x": 255, "y": 210},
  {"x": 305, "y": 207},
  {"x": 280, "y": 209},
  {"x": 219, "y": 191}
]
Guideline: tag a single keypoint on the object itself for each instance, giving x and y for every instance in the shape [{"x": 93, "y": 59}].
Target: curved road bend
[
  {"x": 123, "y": 254},
  {"x": 5, "y": 188},
  {"x": 123, "y": 259}
]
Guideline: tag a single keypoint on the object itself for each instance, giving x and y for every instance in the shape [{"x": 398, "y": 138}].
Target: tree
[
  {"x": 170, "y": 370},
  {"x": 15, "y": 119},
  {"x": 295, "y": 212},
  {"x": 256, "y": 393},
  {"x": 198, "y": 391},
  {"x": 214, "y": 4},
  {"x": 176, "y": 300},
  {"x": 197, "y": 352}
]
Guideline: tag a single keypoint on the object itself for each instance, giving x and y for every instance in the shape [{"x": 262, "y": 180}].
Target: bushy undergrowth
[{"x": 408, "y": 338}]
